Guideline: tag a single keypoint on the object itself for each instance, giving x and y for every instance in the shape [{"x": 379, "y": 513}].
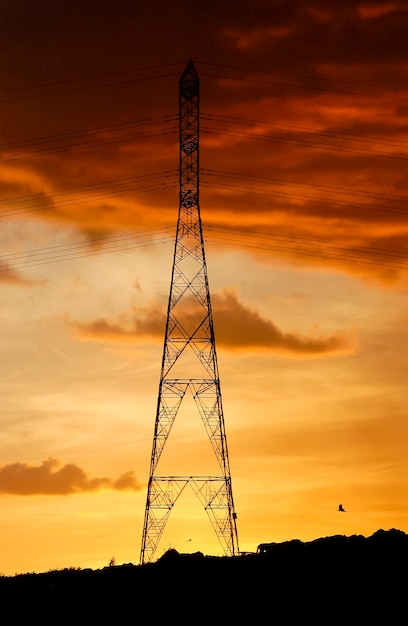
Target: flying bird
[{"x": 341, "y": 509}]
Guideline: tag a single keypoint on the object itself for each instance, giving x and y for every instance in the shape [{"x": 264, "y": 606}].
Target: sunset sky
[{"x": 304, "y": 203}]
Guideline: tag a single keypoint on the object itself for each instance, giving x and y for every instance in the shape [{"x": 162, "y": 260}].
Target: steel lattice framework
[{"x": 189, "y": 348}]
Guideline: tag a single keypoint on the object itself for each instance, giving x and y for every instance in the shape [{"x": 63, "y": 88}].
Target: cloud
[
  {"x": 237, "y": 327},
  {"x": 126, "y": 482},
  {"x": 52, "y": 478},
  {"x": 339, "y": 92},
  {"x": 320, "y": 29},
  {"x": 141, "y": 324},
  {"x": 12, "y": 277},
  {"x": 242, "y": 327}
]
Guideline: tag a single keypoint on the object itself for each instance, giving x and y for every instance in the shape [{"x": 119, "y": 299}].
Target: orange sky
[{"x": 303, "y": 187}]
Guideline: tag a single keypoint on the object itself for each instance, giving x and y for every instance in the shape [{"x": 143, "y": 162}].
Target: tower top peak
[
  {"x": 189, "y": 82},
  {"x": 190, "y": 69}
]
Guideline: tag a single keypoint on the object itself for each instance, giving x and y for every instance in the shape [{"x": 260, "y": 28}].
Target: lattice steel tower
[{"x": 189, "y": 363}]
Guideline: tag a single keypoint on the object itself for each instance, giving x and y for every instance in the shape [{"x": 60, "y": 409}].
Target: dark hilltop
[{"x": 327, "y": 581}]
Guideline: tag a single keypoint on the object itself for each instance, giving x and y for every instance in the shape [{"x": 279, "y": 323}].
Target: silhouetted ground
[{"x": 326, "y": 581}]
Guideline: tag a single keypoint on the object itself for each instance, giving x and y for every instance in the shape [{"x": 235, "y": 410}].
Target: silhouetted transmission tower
[{"x": 189, "y": 363}]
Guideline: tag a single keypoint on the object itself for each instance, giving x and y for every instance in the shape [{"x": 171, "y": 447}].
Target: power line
[
  {"x": 92, "y": 143},
  {"x": 167, "y": 124},
  {"x": 305, "y": 84},
  {"x": 82, "y": 249},
  {"x": 302, "y": 129},
  {"x": 313, "y": 248},
  {"x": 91, "y": 77},
  {"x": 96, "y": 185},
  {"x": 319, "y": 186},
  {"x": 308, "y": 87},
  {"x": 265, "y": 241},
  {"x": 211, "y": 179},
  {"x": 306, "y": 77},
  {"x": 287, "y": 250},
  {"x": 368, "y": 250},
  {"x": 243, "y": 76},
  {"x": 150, "y": 121},
  {"x": 57, "y": 199},
  {"x": 162, "y": 125},
  {"x": 301, "y": 142},
  {"x": 85, "y": 87},
  {"x": 210, "y": 184}
]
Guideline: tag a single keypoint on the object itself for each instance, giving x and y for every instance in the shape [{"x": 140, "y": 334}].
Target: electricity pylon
[{"x": 189, "y": 363}]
